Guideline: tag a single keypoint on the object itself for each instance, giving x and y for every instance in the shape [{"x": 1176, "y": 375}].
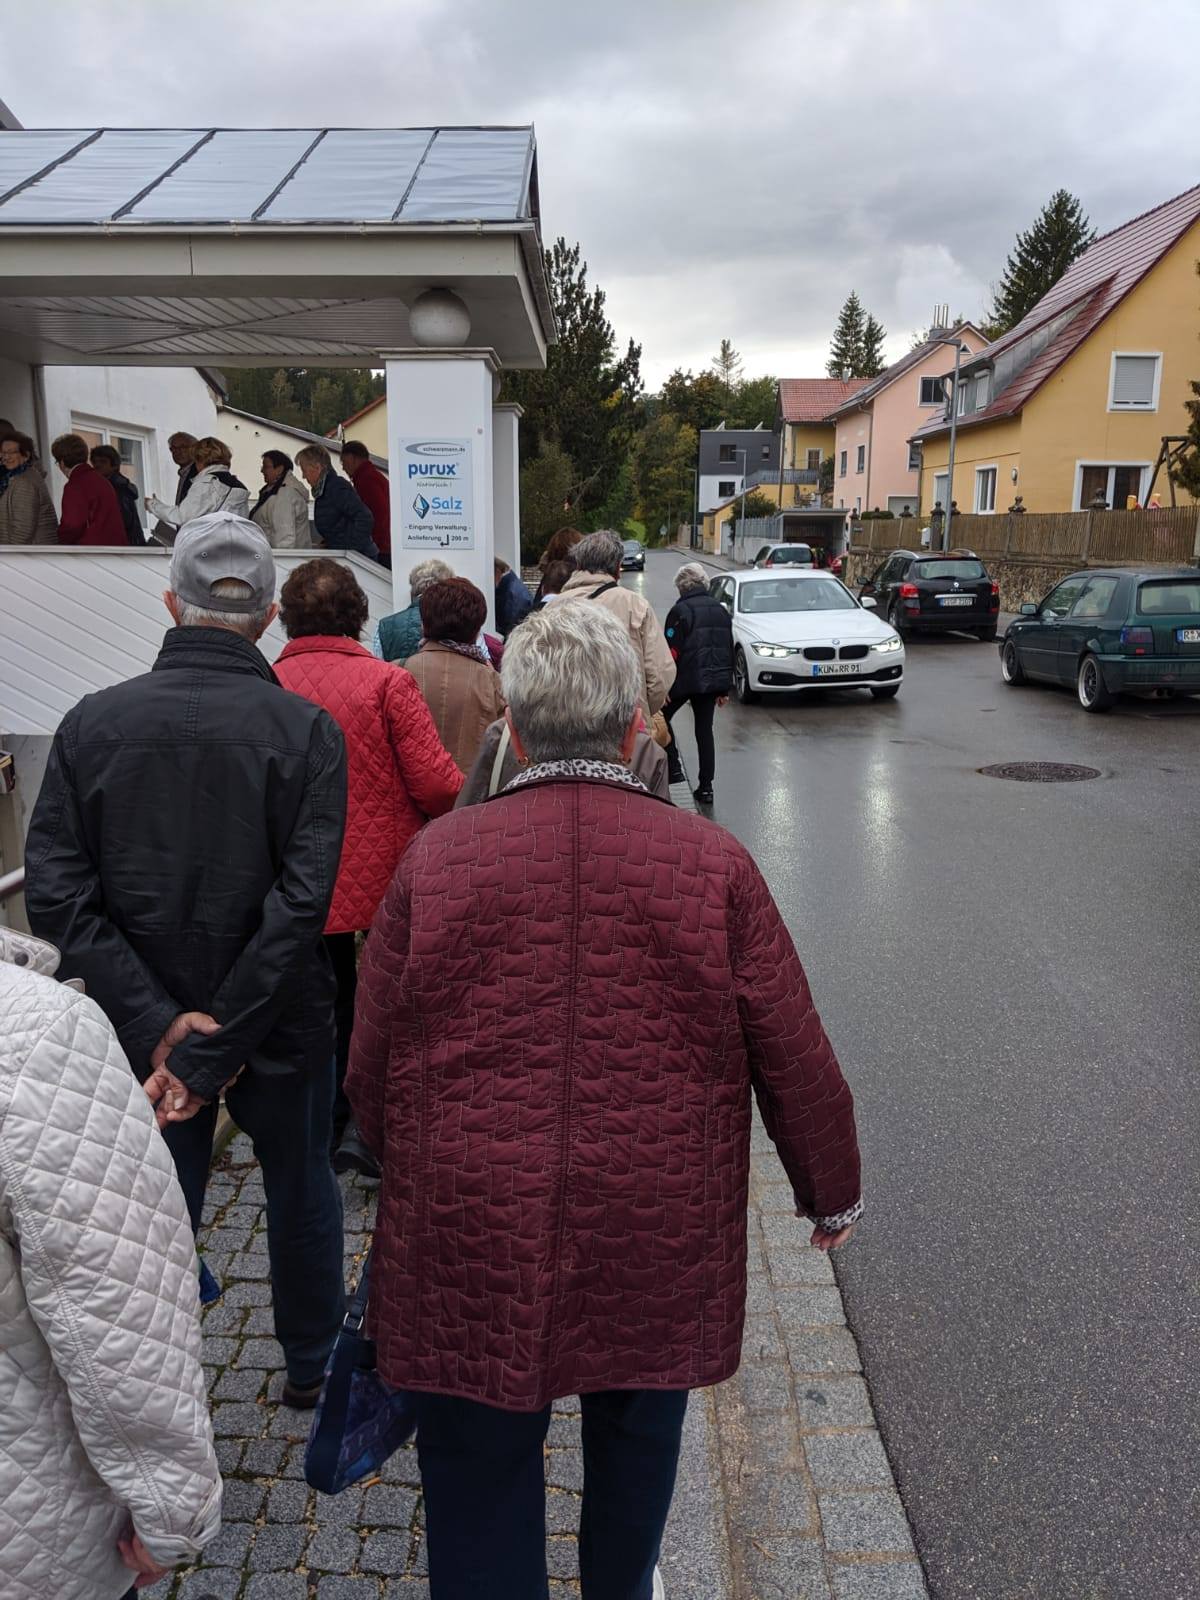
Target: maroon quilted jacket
[
  {"x": 398, "y": 772},
  {"x": 564, "y": 1002}
]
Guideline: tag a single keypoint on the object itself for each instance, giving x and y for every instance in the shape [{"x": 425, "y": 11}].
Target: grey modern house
[{"x": 727, "y": 456}]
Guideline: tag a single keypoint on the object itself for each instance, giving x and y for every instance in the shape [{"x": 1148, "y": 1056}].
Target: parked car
[
  {"x": 935, "y": 593},
  {"x": 785, "y": 555},
  {"x": 802, "y": 629},
  {"x": 634, "y": 557},
  {"x": 1110, "y": 632}
]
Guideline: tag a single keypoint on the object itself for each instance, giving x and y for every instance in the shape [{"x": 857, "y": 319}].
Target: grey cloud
[{"x": 729, "y": 170}]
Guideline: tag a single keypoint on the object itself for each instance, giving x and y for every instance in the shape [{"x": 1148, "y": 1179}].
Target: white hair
[
  {"x": 250, "y": 624},
  {"x": 573, "y": 682},
  {"x": 691, "y": 576},
  {"x": 425, "y": 574},
  {"x": 602, "y": 551}
]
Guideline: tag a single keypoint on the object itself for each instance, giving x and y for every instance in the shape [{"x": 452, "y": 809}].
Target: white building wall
[
  {"x": 17, "y": 401},
  {"x": 153, "y": 402},
  {"x": 247, "y": 439},
  {"x": 710, "y": 495}
]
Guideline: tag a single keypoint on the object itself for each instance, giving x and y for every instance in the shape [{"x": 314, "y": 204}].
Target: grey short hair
[
  {"x": 602, "y": 551},
  {"x": 691, "y": 576},
  {"x": 425, "y": 574},
  {"x": 573, "y": 682},
  {"x": 250, "y": 624}
]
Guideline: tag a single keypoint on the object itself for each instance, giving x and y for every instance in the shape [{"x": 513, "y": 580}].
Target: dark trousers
[
  {"x": 483, "y": 1474},
  {"x": 703, "y": 709},
  {"x": 287, "y": 1118},
  {"x": 343, "y": 957}
]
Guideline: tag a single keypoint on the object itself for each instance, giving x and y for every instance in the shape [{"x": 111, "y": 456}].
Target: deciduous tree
[
  {"x": 662, "y": 463},
  {"x": 546, "y": 484}
]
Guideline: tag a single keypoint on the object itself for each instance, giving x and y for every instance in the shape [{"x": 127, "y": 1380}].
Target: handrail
[{"x": 12, "y": 883}]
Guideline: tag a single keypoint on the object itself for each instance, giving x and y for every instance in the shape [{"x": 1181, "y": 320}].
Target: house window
[
  {"x": 728, "y": 453},
  {"x": 1116, "y": 482},
  {"x": 933, "y": 392},
  {"x": 862, "y": 459},
  {"x": 914, "y": 455},
  {"x": 814, "y": 461},
  {"x": 962, "y": 398},
  {"x": 842, "y": 465},
  {"x": 766, "y": 452},
  {"x": 983, "y": 390},
  {"x": 941, "y": 490},
  {"x": 726, "y": 486},
  {"x": 1133, "y": 383},
  {"x": 985, "y": 489}
]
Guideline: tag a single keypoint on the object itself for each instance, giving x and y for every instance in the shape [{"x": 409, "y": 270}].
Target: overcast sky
[{"x": 730, "y": 169}]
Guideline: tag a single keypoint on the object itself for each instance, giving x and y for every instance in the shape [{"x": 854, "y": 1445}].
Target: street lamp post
[
  {"x": 694, "y": 541},
  {"x": 745, "y": 467},
  {"x": 947, "y": 512}
]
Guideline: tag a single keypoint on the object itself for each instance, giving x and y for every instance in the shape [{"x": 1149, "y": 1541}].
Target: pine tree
[
  {"x": 1038, "y": 260},
  {"x": 857, "y": 347},
  {"x": 727, "y": 364},
  {"x": 873, "y": 362},
  {"x": 845, "y": 351}
]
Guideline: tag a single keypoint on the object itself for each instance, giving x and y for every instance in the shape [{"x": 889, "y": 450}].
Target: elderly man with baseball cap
[{"x": 182, "y": 856}]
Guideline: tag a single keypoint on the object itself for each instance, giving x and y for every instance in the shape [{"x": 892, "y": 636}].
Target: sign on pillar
[{"x": 439, "y": 410}]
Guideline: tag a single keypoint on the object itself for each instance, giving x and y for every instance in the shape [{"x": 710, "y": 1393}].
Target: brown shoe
[{"x": 300, "y": 1399}]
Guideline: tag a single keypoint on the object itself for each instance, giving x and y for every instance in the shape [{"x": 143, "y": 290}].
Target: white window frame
[
  {"x": 1146, "y": 355},
  {"x": 931, "y": 377},
  {"x": 944, "y": 494},
  {"x": 845, "y": 455},
  {"x": 960, "y": 398},
  {"x": 993, "y": 468},
  {"x": 984, "y": 388},
  {"x": 914, "y": 449},
  {"x": 860, "y": 459},
  {"x": 107, "y": 429},
  {"x": 1143, "y": 481},
  {"x": 812, "y": 450}
]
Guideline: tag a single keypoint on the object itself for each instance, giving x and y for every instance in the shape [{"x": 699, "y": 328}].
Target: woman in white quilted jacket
[{"x": 108, "y": 1476}]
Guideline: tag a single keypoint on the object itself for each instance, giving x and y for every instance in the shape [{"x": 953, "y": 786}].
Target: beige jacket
[
  {"x": 284, "y": 516},
  {"x": 463, "y": 697},
  {"x": 27, "y": 514},
  {"x": 658, "y": 667}
]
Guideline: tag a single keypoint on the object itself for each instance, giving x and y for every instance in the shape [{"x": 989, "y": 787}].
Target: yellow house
[
  {"x": 1071, "y": 406},
  {"x": 368, "y": 426},
  {"x": 803, "y": 409}
]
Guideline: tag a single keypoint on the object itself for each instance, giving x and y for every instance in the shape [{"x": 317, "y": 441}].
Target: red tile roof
[
  {"x": 812, "y": 399},
  {"x": 1092, "y": 287}
]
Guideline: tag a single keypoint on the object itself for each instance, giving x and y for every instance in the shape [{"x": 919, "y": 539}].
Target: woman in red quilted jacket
[
  {"x": 562, "y": 1111},
  {"x": 399, "y": 774}
]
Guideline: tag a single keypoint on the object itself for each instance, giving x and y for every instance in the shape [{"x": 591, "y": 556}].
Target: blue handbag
[{"x": 359, "y": 1421}]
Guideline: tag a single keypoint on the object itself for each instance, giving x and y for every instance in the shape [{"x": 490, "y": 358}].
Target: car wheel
[
  {"x": 986, "y": 635},
  {"x": 888, "y": 692},
  {"x": 744, "y": 694},
  {"x": 1089, "y": 683},
  {"x": 1011, "y": 669},
  {"x": 896, "y": 619}
]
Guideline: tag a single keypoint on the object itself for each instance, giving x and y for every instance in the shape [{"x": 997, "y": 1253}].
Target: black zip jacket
[
  {"x": 699, "y": 631},
  {"x": 182, "y": 856}
]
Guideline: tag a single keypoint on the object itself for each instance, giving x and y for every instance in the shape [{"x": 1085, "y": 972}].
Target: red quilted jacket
[
  {"x": 562, "y": 1105},
  {"x": 398, "y": 770}
]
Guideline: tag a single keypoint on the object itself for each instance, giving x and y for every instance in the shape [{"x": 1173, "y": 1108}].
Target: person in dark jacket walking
[
  {"x": 341, "y": 520},
  {"x": 372, "y": 488},
  {"x": 107, "y": 462},
  {"x": 90, "y": 511},
  {"x": 182, "y": 856},
  {"x": 699, "y": 634},
  {"x": 561, "y": 1105}
]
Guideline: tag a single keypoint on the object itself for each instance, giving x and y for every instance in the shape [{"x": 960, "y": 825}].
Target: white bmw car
[{"x": 800, "y": 629}]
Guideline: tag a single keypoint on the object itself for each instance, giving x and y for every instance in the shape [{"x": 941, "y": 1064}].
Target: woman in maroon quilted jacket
[
  {"x": 398, "y": 775},
  {"x": 561, "y": 1105}
]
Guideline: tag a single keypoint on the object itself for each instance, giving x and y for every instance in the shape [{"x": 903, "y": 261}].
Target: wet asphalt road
[{"x": 1009, "y": 974}]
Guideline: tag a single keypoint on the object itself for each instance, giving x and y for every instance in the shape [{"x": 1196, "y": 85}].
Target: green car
[{"x": 1110, "y": 632}]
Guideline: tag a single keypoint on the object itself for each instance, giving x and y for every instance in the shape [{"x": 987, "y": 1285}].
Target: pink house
[{"x": 874, "y": 465}]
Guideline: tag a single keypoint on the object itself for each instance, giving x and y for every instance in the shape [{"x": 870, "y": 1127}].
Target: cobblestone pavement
[{"x": 784, "y": 1489}]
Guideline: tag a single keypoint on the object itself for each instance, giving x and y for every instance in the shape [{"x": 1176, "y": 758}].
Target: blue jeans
[
  {"x": 287, "y": 1116},
  {"x": 483, "y": 1475}
]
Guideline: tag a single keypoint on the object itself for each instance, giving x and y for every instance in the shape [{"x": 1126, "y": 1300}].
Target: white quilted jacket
[{"x": 103, "y": 1414}]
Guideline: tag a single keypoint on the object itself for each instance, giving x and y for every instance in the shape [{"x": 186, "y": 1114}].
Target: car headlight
[
  {"x": 886, "y": 645},
  {"x": 775, "y": 650}
]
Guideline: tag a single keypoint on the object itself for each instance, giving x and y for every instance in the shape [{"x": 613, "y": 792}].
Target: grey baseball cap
[{"x": 218, "y": 546}]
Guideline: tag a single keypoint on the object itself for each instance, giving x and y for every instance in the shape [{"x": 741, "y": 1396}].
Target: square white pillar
[
  {"x": 506, "y": 483},
  {"x": 439, "y": 411}
]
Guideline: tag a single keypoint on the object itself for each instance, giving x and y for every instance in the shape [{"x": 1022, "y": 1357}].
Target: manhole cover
[{"x": 1040, "y": 772}]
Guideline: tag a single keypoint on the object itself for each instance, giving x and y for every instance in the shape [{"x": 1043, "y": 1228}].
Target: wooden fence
[{"x": 1170, "y": 536}]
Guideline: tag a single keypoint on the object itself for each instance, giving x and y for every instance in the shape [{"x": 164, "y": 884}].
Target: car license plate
[
  {"x": 1188, "y": 635},
  {"x": 836, "y": 669},
  {"x": 956, "y": 599}
]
